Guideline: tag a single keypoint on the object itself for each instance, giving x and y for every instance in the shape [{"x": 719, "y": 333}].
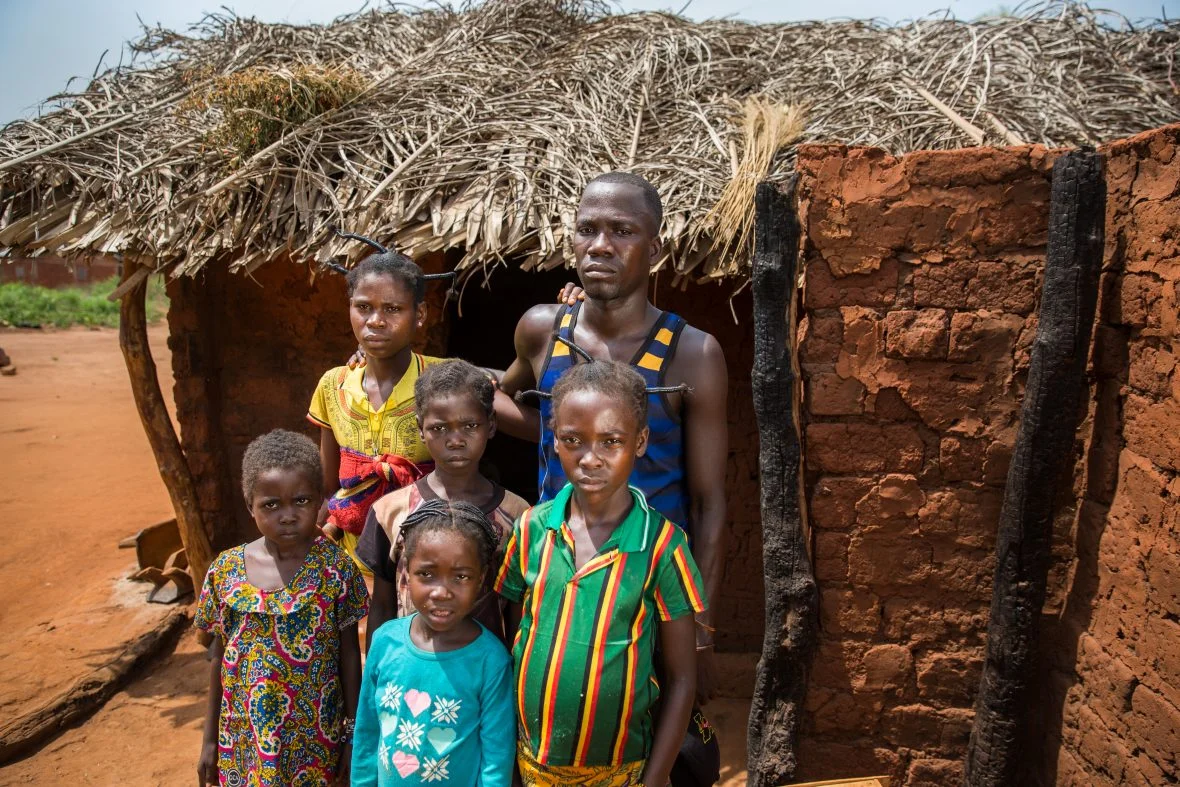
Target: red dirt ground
[{"x": 78, "y": 477}]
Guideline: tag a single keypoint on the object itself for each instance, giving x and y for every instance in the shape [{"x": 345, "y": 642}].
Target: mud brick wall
[
  {"x": 1113, "y": 693},
  {"x": 920, "y": 286},
  {"x": 740, "y": 610},
  {"x": 246, "y": 355}
]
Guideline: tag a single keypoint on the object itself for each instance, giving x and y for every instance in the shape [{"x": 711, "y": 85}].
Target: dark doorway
[{"x": 484, "y": 336}]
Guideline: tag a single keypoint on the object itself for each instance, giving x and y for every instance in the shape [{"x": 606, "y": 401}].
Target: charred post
[
  {"x": 791, "y": 596},
  {"x": 1041, "y": 460},
  {"x": 153, "y": 412}
]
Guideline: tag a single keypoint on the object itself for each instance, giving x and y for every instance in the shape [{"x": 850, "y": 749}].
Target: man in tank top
[{"x": 616, "y": 238}]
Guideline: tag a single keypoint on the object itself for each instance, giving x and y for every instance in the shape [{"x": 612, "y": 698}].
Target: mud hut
[{"x": 224, "y": 158}]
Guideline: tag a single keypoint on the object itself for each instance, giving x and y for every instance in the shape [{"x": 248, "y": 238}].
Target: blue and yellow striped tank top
[{"x": 659, "y": 473}]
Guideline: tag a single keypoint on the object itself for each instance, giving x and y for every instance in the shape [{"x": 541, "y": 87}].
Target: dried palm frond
[
  {"x": 476, "y": 128},
  {"x": 767, "y": 128}
]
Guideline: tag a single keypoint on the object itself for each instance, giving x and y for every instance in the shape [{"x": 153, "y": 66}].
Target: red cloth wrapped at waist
[{"x": 364, "y": 480}]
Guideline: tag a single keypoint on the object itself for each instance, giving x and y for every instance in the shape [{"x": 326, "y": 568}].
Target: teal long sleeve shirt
[{"x": 434, "y": 718}]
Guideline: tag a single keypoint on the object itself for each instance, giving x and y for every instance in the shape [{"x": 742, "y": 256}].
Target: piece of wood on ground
[
  {"x": 25, "y": 733},
  {"x": 154, "y": 544}
]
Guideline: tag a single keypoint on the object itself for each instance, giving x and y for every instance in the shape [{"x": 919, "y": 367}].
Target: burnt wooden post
[
  {"x": 1049, "y": 417},
  {"x": 791, "y": 596},
  {"x": 153, "y": 412}
]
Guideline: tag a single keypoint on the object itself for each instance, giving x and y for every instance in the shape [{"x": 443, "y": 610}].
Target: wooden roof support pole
[
  {"x": 792, "y": 602},
  {"x": 153, "y": 412},
  {"x": 1040, "y": 467}
]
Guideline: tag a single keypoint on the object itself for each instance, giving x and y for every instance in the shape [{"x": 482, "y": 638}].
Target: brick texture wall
[
  {"x": 246, "y": 355},
  {"x": 921, "y": 277},
  {"x": 1114, "y": 646},
  {"x": 921, "y": 283}
]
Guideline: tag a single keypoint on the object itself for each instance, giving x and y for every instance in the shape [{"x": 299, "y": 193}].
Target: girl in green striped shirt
[{"x": 592, "y": 577}]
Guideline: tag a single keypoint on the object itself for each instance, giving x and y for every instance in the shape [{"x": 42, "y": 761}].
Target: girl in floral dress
[{"x": 283, "y": 613}]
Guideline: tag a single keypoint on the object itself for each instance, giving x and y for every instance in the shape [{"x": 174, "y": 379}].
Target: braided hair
[
  {"x": 615, "y": 380},
  {"x": 453, "y": 378},
  {"x": 457, "y": 516},
  {"x": 396, "y": 266}
]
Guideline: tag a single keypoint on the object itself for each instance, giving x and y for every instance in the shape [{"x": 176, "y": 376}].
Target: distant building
[{"x": 50, "y": 271}]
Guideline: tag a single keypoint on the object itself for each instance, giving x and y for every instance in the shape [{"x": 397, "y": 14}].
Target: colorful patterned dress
[{"x": 281, "y": 703}]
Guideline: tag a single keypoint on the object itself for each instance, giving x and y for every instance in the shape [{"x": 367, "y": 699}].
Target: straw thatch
[{"x": 477, "y": 128}]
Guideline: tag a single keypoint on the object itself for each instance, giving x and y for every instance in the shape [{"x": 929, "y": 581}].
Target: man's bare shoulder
[
  {"x": 697, "y": 354},
  {"x": 534, "y": 327},
  {"x": 539, "y": 318}
]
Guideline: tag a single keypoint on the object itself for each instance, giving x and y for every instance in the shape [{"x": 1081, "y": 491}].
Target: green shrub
[{"x": 29, "y": 305}]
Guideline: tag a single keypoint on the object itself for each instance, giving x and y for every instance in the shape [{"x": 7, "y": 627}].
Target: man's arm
[
  {"x": 531, "y": 340},
  {"x": 706, "y": 445}
]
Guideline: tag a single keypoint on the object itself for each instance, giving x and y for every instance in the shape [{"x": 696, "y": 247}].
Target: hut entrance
[{"x": 484, "y": 337}]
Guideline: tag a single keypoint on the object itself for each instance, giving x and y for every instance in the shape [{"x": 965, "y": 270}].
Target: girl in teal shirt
[{"x": 436, "y": 696}]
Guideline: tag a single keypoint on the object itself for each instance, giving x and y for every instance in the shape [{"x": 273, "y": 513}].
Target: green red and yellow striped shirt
[{"x": 585, "y": 681}]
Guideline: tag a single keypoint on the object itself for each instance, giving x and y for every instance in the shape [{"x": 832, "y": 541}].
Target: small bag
[{"x": 699, "y": 762}]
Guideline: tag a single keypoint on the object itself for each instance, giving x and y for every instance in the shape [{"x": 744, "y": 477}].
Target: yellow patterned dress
[{"x": 281, "y": 703}]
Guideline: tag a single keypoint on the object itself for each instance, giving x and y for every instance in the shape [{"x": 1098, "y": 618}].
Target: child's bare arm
[
  {"x": 207, "y": 764},
  {"x": 350, "y": 688},
  {"x": 330, "y": 460},
  {"x": 678, "y": 640},
  {"x": 376, "y": 551},
  {"x": 516, "y": 419}
]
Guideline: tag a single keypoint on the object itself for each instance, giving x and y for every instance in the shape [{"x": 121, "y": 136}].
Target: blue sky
[{"x": 43, "y": 43}]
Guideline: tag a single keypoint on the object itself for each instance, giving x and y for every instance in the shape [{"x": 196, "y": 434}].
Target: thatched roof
[{"x": 477, "y": 128}]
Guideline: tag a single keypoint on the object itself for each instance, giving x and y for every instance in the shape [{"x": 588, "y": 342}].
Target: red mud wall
[
  {"x": 246, "y": 355},
  {"x": 920, "y": 277},
  {"x": 921, "y": 280},
  {"x": 1114, "y": 646}
]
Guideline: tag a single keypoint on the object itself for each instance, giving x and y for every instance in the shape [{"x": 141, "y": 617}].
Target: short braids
[
  {"x": 457, "y": 516},
  {"x": 613, "y": 379}
]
